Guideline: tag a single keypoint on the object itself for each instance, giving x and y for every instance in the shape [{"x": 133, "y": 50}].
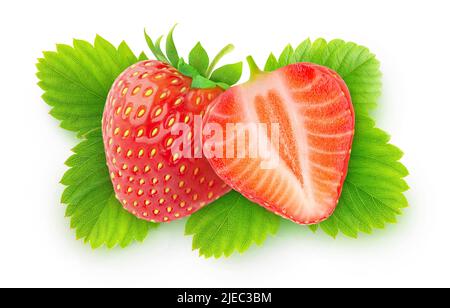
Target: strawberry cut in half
[
  {"x": 153, "y": 181},
  {"x": 309, "y": 146}
]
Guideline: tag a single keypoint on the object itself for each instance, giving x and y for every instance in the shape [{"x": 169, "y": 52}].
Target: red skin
[
  {"x": 150, "y": 181},
  {"x": 313, "y": 106}
]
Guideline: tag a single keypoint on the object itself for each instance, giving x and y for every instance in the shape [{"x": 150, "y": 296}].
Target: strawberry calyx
[
  {"x": 255, "y": 71},
  {"x": 198, "y": 67}
]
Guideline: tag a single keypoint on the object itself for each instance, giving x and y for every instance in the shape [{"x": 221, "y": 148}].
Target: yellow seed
[
  {"x": 171, "y": 122},
  {"x": 140, "y": 192},
  {"x": 160, "y": 166},
  {"x": 178, "y": 101},
  {"x": 177, "y": 215},
  {"x": 163, "y": 95},
  {"x": 124, "y": 167},
  {"x": 175, "y": 157},
  {"x": 120, "y": 83},
  {"x": 161, "y": 201},
  {"x": 211, "y": 183},
  {"x": 210, "y": 96},
  {"x": 113, "y": 175},
  {"x": 147, "y": 169},
  {"x": 196, "y": 171},
  {"x": 124, "y": 202},
  {"x": 131, "y": 179},
  {"x": 124, "y": 91},
  {"x": 128, "y": 111},
  {"x": 210, "y": 195},
  {"x": 175, "y": 81},
  {"x": 155, "y": 181},
  {"x": 135, "y": 203},
  {"x": 142, "y": 182},
  {"x": 118, "y": 187},
  {"x": 130, "y": 190},
  {"x": 155, "y": 132},
  {"x": 135, "y": 73},
  {"x": 148, "y": 92},
  {"x": 184, "y": 89},
  {"x": 167, "y": 177},
  {"x": 147, "y": 202},
  {"x": 153, "y": 192},
  {"x": 182, "y": 204},
  {"x": 182, "y": 169},
  {"x": 195, "y": 197},
  {"x": 189, "y": 209},
  {"x": 166, "y": 219},
  {"x": 129, "y": 153},
  {"x": 141, "y": 153},
  {"x": 169, "y": 210},
  {"x": 153, "y": 152},
  {"x": 202, "y": 180},
  {"x": 140, "y": 132},
  {"x": 174, "y": 196},
  {"x": 169, "y": 142},
  {"x": 110, "y": 141},
  {"x": 119, "y": 110},
  {"x": 187, "y": 119},
  {"x": 158, "y": 76},
  {"x": 158, "y": 112},
  {"x": 135, "y": 169},
  {"x": 141, "y": 113},
  {"x": 198, "y": 101},
  {"x": 145, "y": 75},
  {"x": 117, "y": 131},
  {"x": 167, "y": 190},
  {"x": 181, "y": 184},
  {"x": 136, "y": 90},
  {"x": 188, "y": 190},
  {"x": 114, "y": 161},
  {"x": 189, "y": 136},
  {"x": 156, "y": 212},
  {"x": 126, "y": 133},
  {"x": 145, "y": 214},
  {"x": 119, "y": 149}
]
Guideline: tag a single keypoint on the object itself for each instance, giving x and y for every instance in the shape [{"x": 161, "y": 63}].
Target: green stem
[
  {"x": 254, "y": 69},
  {"x": 226, "y": 50}
]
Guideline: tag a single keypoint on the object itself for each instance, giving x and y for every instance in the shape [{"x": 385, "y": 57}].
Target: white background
[{"x": 411, "y": 39}]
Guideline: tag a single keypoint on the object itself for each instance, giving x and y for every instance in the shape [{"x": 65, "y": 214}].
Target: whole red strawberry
[{"x": 152, "y": 180}]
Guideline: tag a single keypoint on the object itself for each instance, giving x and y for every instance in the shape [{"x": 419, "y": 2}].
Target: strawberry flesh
[{"x": 313, "y": 108}]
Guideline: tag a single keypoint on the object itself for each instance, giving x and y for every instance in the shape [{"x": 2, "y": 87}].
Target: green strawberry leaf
[
  {"x": 229, "y": 74},
  {"x": 287, "y": 56},
  {"x": 171, "y": 50},
  {"x": 271, "y": 64},
  {"x": 200, "y": 82},
  {"x": 159, "y": 55},
  {"x": 94, "y": 211},
  {"x": 77, "y": 79},
  {"x": 230, "y": 224},
  {"x": 199, "y": 59}
]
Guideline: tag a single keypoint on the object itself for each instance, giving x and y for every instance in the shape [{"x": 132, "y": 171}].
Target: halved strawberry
[
  {"x": 313, "y": 108},
  {"x": 151, "y": 179}
]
